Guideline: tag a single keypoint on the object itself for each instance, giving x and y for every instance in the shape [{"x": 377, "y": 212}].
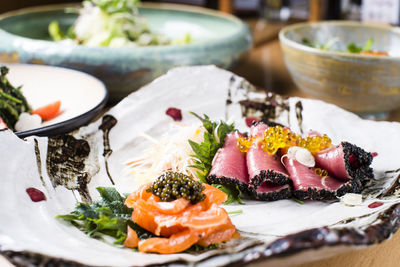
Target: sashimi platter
[{"x": 200, "y": 168}]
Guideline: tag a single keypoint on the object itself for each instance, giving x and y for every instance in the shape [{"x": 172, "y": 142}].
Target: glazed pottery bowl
[
  {"x": 219, "y": 39},
  {"x": 365, "y": 84}
]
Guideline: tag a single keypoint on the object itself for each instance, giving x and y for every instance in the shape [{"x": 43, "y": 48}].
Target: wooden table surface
[{"x": 265, "y": 68}]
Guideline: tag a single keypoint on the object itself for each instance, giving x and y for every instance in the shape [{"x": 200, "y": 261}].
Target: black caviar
[{"x": 173, "y": 185}]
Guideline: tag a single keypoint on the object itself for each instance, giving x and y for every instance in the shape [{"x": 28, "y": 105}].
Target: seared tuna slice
[
  {"x": 270, "y": 192},
  {"x": 229, "y": 165},
  {"x": 262, "y": 166},
  {"x": 309, "y": 185},
  {"x": 346, "y": 162}
]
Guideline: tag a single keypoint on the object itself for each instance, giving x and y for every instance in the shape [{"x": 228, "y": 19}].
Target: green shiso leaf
[
  {"x": 214, "y": 139},
  {"x": 109, "y": 216}
]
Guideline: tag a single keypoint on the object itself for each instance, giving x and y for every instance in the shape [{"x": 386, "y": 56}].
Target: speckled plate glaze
[
  {"x": 278, "y": 233},
  {"x": 219, "y": 39},
  {"x": 82, "y": 96}
]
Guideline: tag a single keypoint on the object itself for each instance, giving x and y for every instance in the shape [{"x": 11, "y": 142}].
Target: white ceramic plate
[{"x": 82, "y": 96}]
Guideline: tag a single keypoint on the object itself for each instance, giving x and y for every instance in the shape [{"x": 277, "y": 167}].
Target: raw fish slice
[
  {"x": 229, "y": 165},
  {"x": 308, "y": 185},
  {"x": 221, "y": 234},
  {"x": 263, "y": 167},
  {"x": 345, "y": 162},
  {"x": 175, "y": 243},
  {"x": 271, "y": 192}
]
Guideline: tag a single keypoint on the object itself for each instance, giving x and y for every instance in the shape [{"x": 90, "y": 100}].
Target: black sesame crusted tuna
[
  {"x": 271, "y": 192},
  {"x": 263, "y": 167},
  {"x": 229, "y": 165},
  {"x": 346, "y": 161},
  {"x": 308, "y": 184}
]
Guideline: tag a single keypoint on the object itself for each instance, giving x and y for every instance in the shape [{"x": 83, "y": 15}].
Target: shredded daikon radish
[{"x": 171, "y": 152}]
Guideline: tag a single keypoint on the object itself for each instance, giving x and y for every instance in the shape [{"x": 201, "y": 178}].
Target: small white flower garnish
[
  {"x": 351, "y": 199},
  {"x": 27, "y": 122},
  {"x": 302, "y": 155}
]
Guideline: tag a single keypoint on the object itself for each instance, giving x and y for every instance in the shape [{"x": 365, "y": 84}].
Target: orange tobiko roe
[{"x": 179, "y": 224}]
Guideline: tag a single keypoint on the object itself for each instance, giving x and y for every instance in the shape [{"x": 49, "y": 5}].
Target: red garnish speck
[
  {"x": 352, "y": 158},
  {"x": 35, "y": 194},
  {"x": 251, "y": 120},
  {"x": 375, "y": 204},
  {"x": 174, "y": 113},
  {"x": 374, "y": 154}
]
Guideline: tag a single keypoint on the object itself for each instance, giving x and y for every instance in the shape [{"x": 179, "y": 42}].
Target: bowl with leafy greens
[
  {"x": 124, "y": 43},
  {"x": 351, "y": 64}
]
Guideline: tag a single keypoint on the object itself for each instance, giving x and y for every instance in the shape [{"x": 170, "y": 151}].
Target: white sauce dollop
[
  {"x": 302, "y": 155},
  {"x": 351, "y": 199}
]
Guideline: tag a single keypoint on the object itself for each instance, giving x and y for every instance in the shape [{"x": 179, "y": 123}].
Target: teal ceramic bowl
[
  {"x": 219, "y": 39},
  {"x": 365, "y": 84}
]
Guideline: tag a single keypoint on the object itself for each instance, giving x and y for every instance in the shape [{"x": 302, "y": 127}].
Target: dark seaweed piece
[
  {"x": 66, "y": 165},
  {"x": 273, "y": 106}
]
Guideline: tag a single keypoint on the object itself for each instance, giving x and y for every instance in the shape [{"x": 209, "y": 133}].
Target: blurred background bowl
[
  {"x": 364, "y": 84},
  {"x": 219, "y": 39}
]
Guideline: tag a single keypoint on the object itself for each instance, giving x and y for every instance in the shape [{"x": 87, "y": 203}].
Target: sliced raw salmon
[
  {"x": 222, "y": 234},
  {"x": 213, "y": 217},
  {"x": 172, "y": 207},
  {"x": 140, "y": 193},
  {"x": 214, "y": 195},
  {"x": 179, "y": 223},
  {"x": 132, "y": 239},
  {"x": 175, "y": 243}
]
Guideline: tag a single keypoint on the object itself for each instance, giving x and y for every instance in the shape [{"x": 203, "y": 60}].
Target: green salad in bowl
[
  {"x": 111, "y": 23},
  {"x": 124, "y": 43}
]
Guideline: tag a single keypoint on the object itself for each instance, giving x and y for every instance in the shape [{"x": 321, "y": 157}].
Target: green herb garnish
[
  {"x": 197, "y": 248},
  {"x": 116, "y": 6},
  {"x": 322, "y": 46},
  {"x": 109, "y": 216},
  {"x": 368, "y": 45},
  {"x": 235, "y": 212},
  {"x": 301, "y": 202},
  {"x": 232, "y": 192},
  {"x": 12, "y": 101},
  {"x": 353, "y": 48},
  {"x": 214, "y": 139}
]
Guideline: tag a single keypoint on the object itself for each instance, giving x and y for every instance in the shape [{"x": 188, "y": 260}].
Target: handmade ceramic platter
[
  {"x": 279, "y": 232},
  {"x": 82, "y": 96}
]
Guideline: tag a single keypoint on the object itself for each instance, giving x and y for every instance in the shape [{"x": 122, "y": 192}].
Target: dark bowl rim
[
  {"x": 242, "y": 30},
  {"x": 284, "y": 40},
  {"x": 71, "y": 123}
]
